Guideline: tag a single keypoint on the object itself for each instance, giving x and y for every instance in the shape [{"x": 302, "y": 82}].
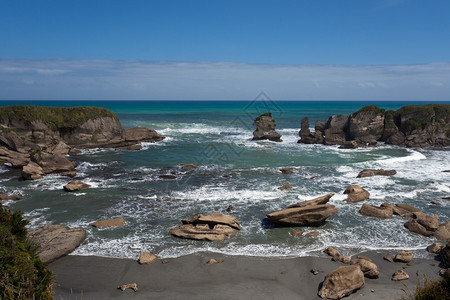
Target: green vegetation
[
  {"x": 22, "y": 273},
  {"x": 267, "y": 114},
  {"x": 55, "y": 117},
  {"x": 431, "y": 290},
  {"x": 369, "y": 108},
  {"x": 420, "y": 116}
]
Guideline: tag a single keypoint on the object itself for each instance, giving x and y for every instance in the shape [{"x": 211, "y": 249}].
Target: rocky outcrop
[
  {"x": 355, "y": 193},
  {"x": 45, "y": 135},
  {"x": 117, "y": 222},
  {"x": 411, "y": 126},
  {"x": 56, "y": 240},
  {"x": 378, "y": 172},
  {"x": 75, "y": 185},
  {"x": 374, "y": 211},
  {"x": 212, "y": 227},
  {"x": 308, "y": 213},
  {"x": 265, "y": 128},
  {"x": 342, "y": 282}
]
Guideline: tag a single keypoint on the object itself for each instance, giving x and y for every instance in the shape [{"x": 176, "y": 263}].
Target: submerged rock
[
  {"x": 342, "y": 282},
  {"x": 10, "y": 197},
  {"x": 117, "y": 222},
  {"x": 286, "y": 171},
  {"x": 266, "y": 128},
  {"x": 285, "y": 187},
  {"x": 212, "y": 227},
  {"x": 189, "y": 166}
]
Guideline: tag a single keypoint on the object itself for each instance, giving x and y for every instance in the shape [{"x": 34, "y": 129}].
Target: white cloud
[{"x": 141, "y": 80}]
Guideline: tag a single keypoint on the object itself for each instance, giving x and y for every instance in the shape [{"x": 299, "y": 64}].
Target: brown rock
[
  {"x": 367, "y": 266},
  {"x": 314, "y": 215},
  {"x": 444, "y": 272},
  {"x": 167, "y": 176},
  {"x": 443, "y": 232},
  {"x": 10, "y": 197},
  {"x": 266, "y": 128},
  {"x": 373, "y": 172},
  {"x": 388, "y": 258},
  {"x": 189, "y": 166},
  {"x": 286, "y": 171},
  {"x": 435, "y": 248},
  {"x": 398, "y": 210},
  {"x": 56, "y": 240},
  {"x": 404, "y": 256},
  {"x": 337, "y": 256},
  {"x": 75, "y": 185},
  {"x": 118, "y": 222},
  {"x": 334, "y": 136},
  {"x": 374, "y": 211},
  {"x": 147, "y": 258},
  {"x": 342, "y": 282},
  {"x": 285, "y": 187},
  {"x": 295, "y": 232},
  {"x": 69, "y": 173},
  {"x": 132, "y": 286},
  {"x": 400, "y": 275},
  {"x": 213, "y": 261},
  {"x": 408, "y": 207},
  {"x": 416, "y": 227},
  {"x": 141, "y": 134},
  {"x": 32, "y": 171},
  {"x": 431, "y": 223},
  {"x": 312, "y": 234},
  {"x": 51, "y": 163},
  {"x": 213, "y": 227},
  {"x": 315, "y": 201},
  {"x": 356, "y": 193},
  {"x": 435, "y": 203}
]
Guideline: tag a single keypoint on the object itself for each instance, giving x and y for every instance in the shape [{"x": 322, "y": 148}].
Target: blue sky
[{"x": 208, "y": 50}]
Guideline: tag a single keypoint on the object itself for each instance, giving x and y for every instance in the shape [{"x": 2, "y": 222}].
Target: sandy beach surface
[{"x": 237, "y": 277}]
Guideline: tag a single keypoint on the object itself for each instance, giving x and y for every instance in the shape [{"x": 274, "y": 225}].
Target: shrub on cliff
[{"x": 22, "y": 274}]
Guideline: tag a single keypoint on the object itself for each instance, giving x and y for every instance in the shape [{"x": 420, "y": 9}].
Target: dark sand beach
[{"x": 238, "y": 277}]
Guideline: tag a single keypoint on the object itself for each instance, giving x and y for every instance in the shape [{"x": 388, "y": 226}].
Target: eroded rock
[
  {"x": 377, "y": 172},
  {"x": 147, "y": 258},
  {"x": 404, "y": 256},
  {"x": 367, "y": 266},
  {"x": 355, "y": 193},
  {"x": 400, "y": 275},
  {"x": 76, "y": 185},
  {"x": 266, "y": 128},
  {"x": 342, "y": 282},
  {"x": 374, "y": 211},
  {"x": 313, "y": 215}
]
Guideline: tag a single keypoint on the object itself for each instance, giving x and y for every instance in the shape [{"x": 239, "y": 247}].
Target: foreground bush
[
  {"x": 432, "y": 290},
  {"x": 22, "y": 274}
]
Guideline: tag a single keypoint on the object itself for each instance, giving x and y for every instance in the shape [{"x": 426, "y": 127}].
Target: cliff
[{"x": 410, "y": 126}]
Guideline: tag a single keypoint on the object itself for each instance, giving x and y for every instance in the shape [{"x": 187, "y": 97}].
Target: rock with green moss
[{"x": 266, "y": 128}]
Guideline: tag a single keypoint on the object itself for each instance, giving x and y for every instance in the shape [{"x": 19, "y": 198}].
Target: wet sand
[{"x": 238, "y": 277}]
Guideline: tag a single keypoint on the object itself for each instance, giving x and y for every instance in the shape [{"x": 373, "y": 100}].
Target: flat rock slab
[
  {"x": 313, "y": 215},
  {"x": 373, "y": 172},
  {"x": 56, "y": 240},
  {"x": 118, "y": 222}
]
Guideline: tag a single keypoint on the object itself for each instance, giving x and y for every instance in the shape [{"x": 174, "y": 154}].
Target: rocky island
[
  {"x": 410, "y": 126},
  {"x": 37, "y": 138}
]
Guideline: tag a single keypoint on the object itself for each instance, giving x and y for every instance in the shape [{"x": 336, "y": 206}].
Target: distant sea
[{"x": 234, "y": 170}]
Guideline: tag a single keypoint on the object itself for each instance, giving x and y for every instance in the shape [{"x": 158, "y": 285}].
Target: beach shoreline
[{"x": 237, "y": 277}]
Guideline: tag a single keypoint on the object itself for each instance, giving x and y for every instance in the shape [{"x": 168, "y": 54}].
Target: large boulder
[
  {"x": 338, "y": 121},
  {"x": 374, "y": 211},
  {"x": 32, "y": 171},
  {"x": 56, "y": 240},
  {"x": 443, "y": 232},
  {"x": 212, "y": 227},
  {"x": 367, "y": 124},
  {"x": 367, "y": 266},
  {"x": 342, "y": 282},
  {"x": 51, "y": 163},
  {"x": 311, "y": 215},
  {"x": 355, "y": 193},
  {"x": 76, "y": 185},
  {"x": 334, "y": 136},
  {"x": 265, "y": 128},
  {"x": 404, "y": 256},
  {"x": 372, "y": 172}
]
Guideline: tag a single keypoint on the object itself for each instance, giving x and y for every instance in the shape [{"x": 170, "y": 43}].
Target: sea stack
[{"x": 266, "y": 128}]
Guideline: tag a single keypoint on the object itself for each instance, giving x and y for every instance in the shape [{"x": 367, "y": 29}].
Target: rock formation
[
  {"x": 411, "y": 126},
  {"x": 37, "y": 138},
  {"x": 342, "y": 282},
  {"x": 75, "y": 185},
  {"x": 374, "y": 211},
  {"x": 147, "y": 258},
  {"x": 117, "y": 222},
  {"x": 308, "y": 213},
  {"x": 337, "y": 256},
  {"x": 400, "y": 275},
  {"x": 355, "y": 193},
  {"x": 56, "y": 240},
  {"x": 265, "y": 128},
  {"x": 379, "y": 172},
  {"x": 404, "y": 256},
  {"x": 212, "y": 227},
  {"x": 367, "y": 266}
]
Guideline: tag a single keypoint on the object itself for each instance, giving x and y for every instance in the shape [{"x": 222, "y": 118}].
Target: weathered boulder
[
  {"x": 313, "y": 215},
  {"x": 75, "y": 185},
  {"x": 312, "y": 233},
  {"x": 334, "y": 136},
  {"x": 13, "y": 141},
  {"x": 355, "y": 193},
  {"x": 342, "y": 282},
  {"x": 400, "y": 275},
  {"x": 266, "y": 128},
  {"x": 52, "y": 162},
  {"x": 374, "y": 211},
  {"x": 398, "y": 210},
  {"x": 404, "y": 256},
  {"x": 285, "y": 187},
  {"x": 372, "y": 172},
  {"x": 141, "y": 134},
  {"x": 408, "y": 207},
  {"x": 147, "y": 258},
  {"x": 367, "y": 124},
  {"x": 443, "y": 232},
  {"x": 117, "y": 222},
  {"x": 337, "y": 256},
  {"x": 16, "y": 159},
  {"x": 431, "y": 223},
  {"x": 212, "y": 227},
  {"x": 32, "y": 171},
  {"x": 435, "y": 248},
  {"x": 414, "y": 226},
  {"x": 338, "y": 121},
  {"x": 56, "y": 240},
  {"x": 316, "y": 201},
  {"x": 367, "y": 266}
]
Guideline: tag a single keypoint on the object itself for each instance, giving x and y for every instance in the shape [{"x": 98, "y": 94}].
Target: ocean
[{"x": 234, "y": 170}]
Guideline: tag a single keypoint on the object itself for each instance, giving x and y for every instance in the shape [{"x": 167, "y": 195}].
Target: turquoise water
[{"x": 234, "y": 170}]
